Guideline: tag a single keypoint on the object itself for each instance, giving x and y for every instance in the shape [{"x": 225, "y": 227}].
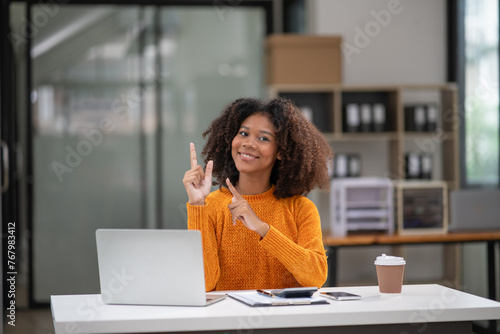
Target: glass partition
[{"x": 118, "y": 94}]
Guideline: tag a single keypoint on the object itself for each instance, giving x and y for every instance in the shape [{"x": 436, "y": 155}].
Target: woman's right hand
[{"x": 197, "y": 183}]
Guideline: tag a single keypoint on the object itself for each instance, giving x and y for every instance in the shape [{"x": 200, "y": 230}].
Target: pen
[{"x": 263, "y": 292}]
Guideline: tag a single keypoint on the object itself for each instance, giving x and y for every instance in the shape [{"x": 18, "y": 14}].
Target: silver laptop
[
  {"x": 152, "y": 267},
  {"x": 472, "y": 209}
]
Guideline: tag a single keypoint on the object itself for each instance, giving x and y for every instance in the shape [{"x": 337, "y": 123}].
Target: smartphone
[
  {"x": 340, "y": 295},
  {"x": 295, "y": 292}
]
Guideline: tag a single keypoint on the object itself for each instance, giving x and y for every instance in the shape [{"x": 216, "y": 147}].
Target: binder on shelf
[
  {"x": 315, "y": 106},
  {"x": 426, "y": 164},
  {"x": 308, "y": 113},
  {"x": 421, "y": 117},
  {"x": 418, "y": 166},
  {"x": 354, "y": 165},
  {"x": 341, "y": 165},
  {"x": 412, "y": 164},
  {"x": 431, "y": 118},
  {"x": 352, "y": 117},
  {"x": 347, "y": 165},
  {"x": 379, "y": 117},
  {"x": 366, "y": 117},
  {"x": 415, "y": 118}
]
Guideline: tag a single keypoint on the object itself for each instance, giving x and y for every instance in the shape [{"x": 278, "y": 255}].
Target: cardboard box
[{"x": 302, "y": 59}]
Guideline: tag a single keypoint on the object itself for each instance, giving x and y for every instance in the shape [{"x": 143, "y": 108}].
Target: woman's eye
[
  {"x": 243, "y": 133},
  {"x": 264, "y": 139}
]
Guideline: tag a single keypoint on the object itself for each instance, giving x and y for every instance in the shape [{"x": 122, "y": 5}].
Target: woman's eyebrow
[
  {"x": 266, "y": 132},
  {"x": 260, "y": 131}
]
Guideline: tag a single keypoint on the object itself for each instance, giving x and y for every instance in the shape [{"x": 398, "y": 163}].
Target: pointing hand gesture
[
  {"x": 241, "y": 210},
  {"x": 197, "y": 182}
]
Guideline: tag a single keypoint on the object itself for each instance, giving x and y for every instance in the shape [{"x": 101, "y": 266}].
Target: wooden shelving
[{"x": 328, "y": 103}]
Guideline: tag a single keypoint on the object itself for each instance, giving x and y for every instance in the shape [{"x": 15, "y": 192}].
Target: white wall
[{"x": 386, "y": 42}]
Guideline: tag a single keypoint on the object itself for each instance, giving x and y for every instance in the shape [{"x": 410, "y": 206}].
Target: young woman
[{"x": 258, "y": 229}]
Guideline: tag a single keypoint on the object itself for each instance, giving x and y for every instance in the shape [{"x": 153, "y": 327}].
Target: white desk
[{"x": 433, "y": 308}]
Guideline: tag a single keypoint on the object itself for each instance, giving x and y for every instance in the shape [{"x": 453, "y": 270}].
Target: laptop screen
[{"x": 151, "y": 267}]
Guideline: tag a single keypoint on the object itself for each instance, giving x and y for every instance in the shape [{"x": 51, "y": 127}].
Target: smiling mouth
[{"x": 247, "y": 156}]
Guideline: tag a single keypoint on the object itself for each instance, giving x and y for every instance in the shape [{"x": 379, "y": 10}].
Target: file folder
[{"x": 253, "y": 298}]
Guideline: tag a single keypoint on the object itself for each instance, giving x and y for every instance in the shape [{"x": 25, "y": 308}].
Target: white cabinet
[{"x": 361, "y": 204}]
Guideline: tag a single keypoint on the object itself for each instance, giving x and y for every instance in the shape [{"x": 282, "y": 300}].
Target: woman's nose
[{"x": 249, "y": 142}]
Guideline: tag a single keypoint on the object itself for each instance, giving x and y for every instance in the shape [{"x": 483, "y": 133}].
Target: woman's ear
[{"x": 279, "y": 157}]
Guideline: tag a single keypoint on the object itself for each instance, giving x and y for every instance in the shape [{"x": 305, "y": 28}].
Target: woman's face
[{"x": 254, "y": 148}]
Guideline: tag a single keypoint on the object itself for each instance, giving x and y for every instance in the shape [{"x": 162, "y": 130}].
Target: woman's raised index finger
[
  {"x": 233, "y": 190},
  {"x": 194, "y": 161}
]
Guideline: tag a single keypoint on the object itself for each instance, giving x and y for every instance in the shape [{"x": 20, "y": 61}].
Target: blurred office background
[
  {"x": 117, "y": 92},
  {"x": 141, "y": 82}
]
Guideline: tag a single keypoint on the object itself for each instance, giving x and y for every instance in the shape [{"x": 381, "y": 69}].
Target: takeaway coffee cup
[{"x": 390, "y": 271}]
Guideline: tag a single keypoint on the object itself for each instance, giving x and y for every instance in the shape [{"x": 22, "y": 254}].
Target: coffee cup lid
[{"x": 387, "y": 260}]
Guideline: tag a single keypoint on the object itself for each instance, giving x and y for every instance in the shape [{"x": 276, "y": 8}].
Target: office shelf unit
[
  {"x": 361, "y": 204},
  {"x": 328, "y": 104},
  {"x": 422, "y": 207}
]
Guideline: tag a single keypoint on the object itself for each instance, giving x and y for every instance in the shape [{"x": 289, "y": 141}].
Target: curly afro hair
[{"x": 305, "y": 153}]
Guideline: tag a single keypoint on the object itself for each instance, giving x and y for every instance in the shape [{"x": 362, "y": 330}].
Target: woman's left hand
[{"x": 241, "y": 210}]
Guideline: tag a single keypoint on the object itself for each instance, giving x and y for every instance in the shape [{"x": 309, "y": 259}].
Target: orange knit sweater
[{"x": 236, "y": 258}]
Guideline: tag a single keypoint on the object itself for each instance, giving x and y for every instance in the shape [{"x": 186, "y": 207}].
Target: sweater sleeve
[
  {"x": 306, "y": 259},
  {"x": 199, "y": 219}
]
